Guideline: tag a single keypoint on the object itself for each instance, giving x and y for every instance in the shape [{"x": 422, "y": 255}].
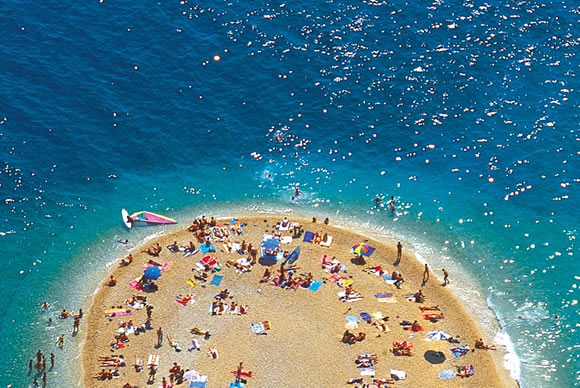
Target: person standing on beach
[
  {"x": 51, "y": 360},
  {"x": 159, "y": 336},
  {"x": 44, "y": 379},
  {"x": 399, "y": 250},
  {"x": 445, "y": 277},
  {"x": 426, "y": 274}
]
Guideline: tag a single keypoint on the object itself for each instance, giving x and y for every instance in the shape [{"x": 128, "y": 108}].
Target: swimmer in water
[
  {"x": 392, "y": 203},
  {"x": 377, "y": 201}
]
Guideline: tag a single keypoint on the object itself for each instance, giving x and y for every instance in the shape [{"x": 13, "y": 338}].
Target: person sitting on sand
[
  {"x": 348, "y": 338},
  {"x": 399, "y": 279},
  {"x": 243, "y": 247},
  {"x": 416, "y": 327},
  {"x": 419, "y": 297},
  {"x": 212, "y": 222},
  {"x": 480, "y": 345},
  {"x": 173, "y": 247},
  {"x": 126, "y": 261},
  {"x": 112, "y": 282},
  {"x": 317, "y": 238},
  {"x": 194, "y": 226},
  {"x": 325, "y": 237},
  {"x": 267, "y": 274}
]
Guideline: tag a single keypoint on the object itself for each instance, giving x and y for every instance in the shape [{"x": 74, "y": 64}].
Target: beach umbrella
[
  {"x": 434, "y": 357},
  {"x": 292, "y": 257},
  {"x": 436, "y": 335},
  {"x": 271, "y": 244},
  {"x": 360, "y": 248},
  {"x": 152, "y": 272}
]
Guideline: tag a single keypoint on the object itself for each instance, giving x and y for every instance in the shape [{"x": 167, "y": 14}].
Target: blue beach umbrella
[
  {"x": 152, "y": 273},
  {"x": 271, "y": 244}
]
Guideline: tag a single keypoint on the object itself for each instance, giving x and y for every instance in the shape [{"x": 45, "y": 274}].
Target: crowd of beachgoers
[{"x": 226, "y": 286}]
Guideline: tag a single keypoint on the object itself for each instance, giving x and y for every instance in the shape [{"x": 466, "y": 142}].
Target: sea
[{"x": 466, "y": 112}]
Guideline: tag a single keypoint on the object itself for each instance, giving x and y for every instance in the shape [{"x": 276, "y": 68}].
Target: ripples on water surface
[{"x": 466, "y": 112}]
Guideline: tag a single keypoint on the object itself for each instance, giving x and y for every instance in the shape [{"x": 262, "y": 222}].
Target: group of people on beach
[{"x": 286, "y": 277}]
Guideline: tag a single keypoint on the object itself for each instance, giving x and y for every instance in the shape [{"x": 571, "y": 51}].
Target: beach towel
[
  {"x": 327, "y": 242},
  {"x": 367, "y": 371},
  {"x": 315, "y": 286},
  {"x": 261, "y": 327},
  {"x": 308, "y": 237},
  {"x": 205, "y": 249},
  {"x": 153, "y": 360},
  {"x": 389, "y": 280},
  {"x": 351, "y": 318},
  {"x": 190, "y": 253},
  {"x": 198, "y": 384},
  {"x": 286, "y": 240},
  {"x": 352, "y": 298},
  {"x": 217, "y": 279},
  {"x": 190, "y": 282},
  {"x": 238, "y": 384},
  {"x": 365, "y": 317},
  {"x": 334, "y": 278},
  {"x": 135, "y": 284},
  {"x": 466, "y": 370},
  {"x": 459, "y": 351},
  {"x": 345, "y": 282},
  {"x": 432, "y": 316},
  {"x": 117, "y": 312},
  {"x": 447, "y": 374},
  {"x": 398, "y": 374}
]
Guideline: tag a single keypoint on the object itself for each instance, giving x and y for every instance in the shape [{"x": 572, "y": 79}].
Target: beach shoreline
[{"x": 99, "y": 330}]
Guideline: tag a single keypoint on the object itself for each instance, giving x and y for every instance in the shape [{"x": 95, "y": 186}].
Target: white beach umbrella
[{"x": 436, "y": 335}]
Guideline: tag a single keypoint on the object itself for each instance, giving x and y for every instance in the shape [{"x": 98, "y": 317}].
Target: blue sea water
[{"x": 465, "y": 111}]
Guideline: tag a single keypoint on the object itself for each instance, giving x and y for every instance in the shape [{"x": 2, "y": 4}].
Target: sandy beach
[{"x": 303, "y": 347}]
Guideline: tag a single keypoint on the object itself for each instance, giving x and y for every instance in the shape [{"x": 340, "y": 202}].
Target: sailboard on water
[{"x": 145, "y": 217}]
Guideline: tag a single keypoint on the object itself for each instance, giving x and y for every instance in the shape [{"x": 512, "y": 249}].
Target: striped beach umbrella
[{"x": 360, "y": 248}]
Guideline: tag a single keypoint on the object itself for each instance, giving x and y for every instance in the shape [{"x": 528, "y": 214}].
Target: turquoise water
[{"x": 466, "y": 112}]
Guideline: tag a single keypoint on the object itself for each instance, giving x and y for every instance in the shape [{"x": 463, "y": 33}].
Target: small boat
[{"x": 145, "y": 217}]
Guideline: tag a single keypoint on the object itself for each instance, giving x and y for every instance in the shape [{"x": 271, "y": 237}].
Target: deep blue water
[{"x": 466, "y": 112}]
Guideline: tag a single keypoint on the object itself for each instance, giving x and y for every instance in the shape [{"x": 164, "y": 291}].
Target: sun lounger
[
  {"x": 308, "y": 237},
  {"x": 327, "y": 242},
  {"x": 153, "y": 360}
]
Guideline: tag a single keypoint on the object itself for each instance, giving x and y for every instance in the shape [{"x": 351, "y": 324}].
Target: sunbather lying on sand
[
  {"x": 429, "y": 308},
  {"x": 480, "y": 345},
  {"x": 351, "y": 339}
]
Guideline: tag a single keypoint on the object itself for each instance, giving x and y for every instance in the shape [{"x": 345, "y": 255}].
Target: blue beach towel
[
  {"x": 198, "y": 384},
  {"x": 384, "y": 295},
  {"x": 352, "y": 319},
  {"x": 308, "y": 237},
  {"x": 460, "y": 350},
  {"x": 447, "y": 374},
  {"x": 366, "y": 317},
  {"x": 205, "y": 249},
  {"x": 217, "y": 279},
  {"x": 315, "y": 286},
  {"x": 237, "y": 385}
]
